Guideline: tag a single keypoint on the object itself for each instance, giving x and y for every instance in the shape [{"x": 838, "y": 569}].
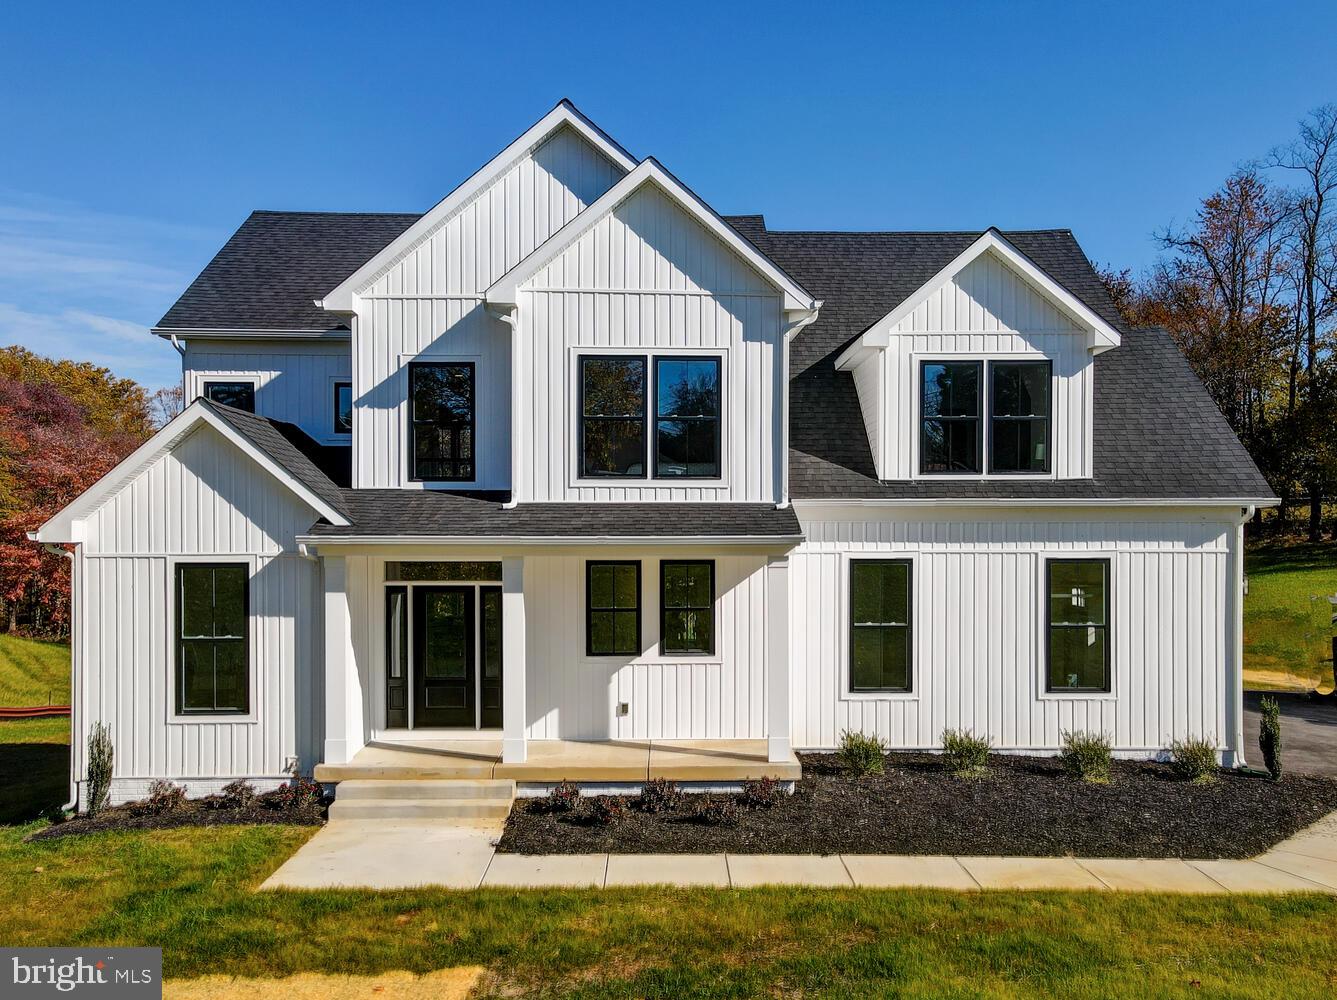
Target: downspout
[
  {"x": 58, "y": 550},
  {"x": 181, "y": 350},
  {"x": 510, "y": 319},
  {"x": 1237, "y": 639},
  {"x": 790, "y": 334}
]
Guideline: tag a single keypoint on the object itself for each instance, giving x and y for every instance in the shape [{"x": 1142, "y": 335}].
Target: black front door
[{"x": 445, "y": 681}]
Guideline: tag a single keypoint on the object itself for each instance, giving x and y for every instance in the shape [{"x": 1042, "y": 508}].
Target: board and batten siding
[
  {"x": 978, "y": 618},
  {"x": 987, "y": 311},
  {"x": 648, "y": 277},
  {"x": 294, "y": 379},
  {"x": 428, "y": 305},
  {"x": 203, "y": 501}
]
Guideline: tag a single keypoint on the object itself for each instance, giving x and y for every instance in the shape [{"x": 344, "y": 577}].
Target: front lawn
[
  {"x": 33, "y": 672},
  {"x": 1023, "y": 806},
  {"x": 1287, "y": 630},
  {"x": 190, "y": 892}
]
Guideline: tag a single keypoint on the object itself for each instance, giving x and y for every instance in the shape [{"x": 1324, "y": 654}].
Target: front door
[{"x": 445, "y": 691}]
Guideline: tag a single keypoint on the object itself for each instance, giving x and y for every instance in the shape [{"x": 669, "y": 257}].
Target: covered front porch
[
  {"x": 551, "y": 761},
  {"x": 464, "y": 661}
]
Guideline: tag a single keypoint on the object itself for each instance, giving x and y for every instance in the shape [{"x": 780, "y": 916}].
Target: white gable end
[{"x": 469, "y": 249}]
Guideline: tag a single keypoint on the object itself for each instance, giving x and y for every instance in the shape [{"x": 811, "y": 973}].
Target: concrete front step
[
  {"x": 399, "y": 788},
  {"x": 447, "y": 809}
]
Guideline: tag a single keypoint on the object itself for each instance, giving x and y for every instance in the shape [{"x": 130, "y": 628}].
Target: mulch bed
[
  {"x": 1023, "y": 806},
  {"x": 193, "y": 812}
]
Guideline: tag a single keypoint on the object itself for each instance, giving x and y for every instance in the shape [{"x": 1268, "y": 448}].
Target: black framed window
[
  {"x": 1078, "y": 648},
  {"x": 880, "y": 631},
  {"x": 687, "y": 418},
  {"x": 612, "y": 608},
  {"x": 212, "y": 649},
  {"x": 612, "y": 417},
  {"x": 687, "y": 606},
  {"x": 949, "y": 399},
  {"x": 240, "y": 395},
  {"x": 1019, "y": 416},
  {"x": 441, "y": 420},
  {"x": 343, "y": 407}
]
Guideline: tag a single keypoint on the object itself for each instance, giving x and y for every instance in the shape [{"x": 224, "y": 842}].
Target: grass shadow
[{"x": 33, "y": 778}]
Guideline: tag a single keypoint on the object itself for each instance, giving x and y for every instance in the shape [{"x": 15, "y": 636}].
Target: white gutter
[
  {"x": 930, "y": 501},
  {"x": 510, "y": 318},
  {"x": 807, "y": 319}
]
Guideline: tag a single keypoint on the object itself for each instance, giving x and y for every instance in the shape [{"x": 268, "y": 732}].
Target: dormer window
[
  {"x": 1019, "y": 416},
  {"x": 953, "y": 436},
  {"x": 949, "y": 439}
]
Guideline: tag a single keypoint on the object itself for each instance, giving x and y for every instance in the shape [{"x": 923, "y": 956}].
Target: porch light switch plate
[{"x": 623, "y": 708}]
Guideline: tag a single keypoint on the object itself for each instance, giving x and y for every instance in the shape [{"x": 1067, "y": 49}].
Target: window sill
[
  {"x": 1078, "y": 696},
  {"x": 695, "y": 659},
  {"x": 219, "y": 719},
  {"x": 647, "y": 482},
  {"x": 880, "y": 696}
]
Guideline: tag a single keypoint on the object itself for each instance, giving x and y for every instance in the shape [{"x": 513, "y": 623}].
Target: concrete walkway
[{"x": 389, "y": 854}]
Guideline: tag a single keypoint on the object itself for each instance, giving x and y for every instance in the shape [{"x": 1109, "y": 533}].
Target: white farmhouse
[{"x": 571, "y": 464}]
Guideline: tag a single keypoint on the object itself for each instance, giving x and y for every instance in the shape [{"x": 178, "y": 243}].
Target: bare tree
[
  {"x": 165, "y": 404},
  {"x": 1313, "y": 252}
]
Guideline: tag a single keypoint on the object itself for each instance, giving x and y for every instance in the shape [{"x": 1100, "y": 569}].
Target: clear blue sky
[{"x": 138, "y": 136}]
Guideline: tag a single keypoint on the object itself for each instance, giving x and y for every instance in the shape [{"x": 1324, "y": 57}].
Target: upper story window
[
  {"x": 952, "y": 429},
  {"x": 441, "y": 407},
  {"x": 612, "y": 417},
  {"x": 237, "y": 394},
  {"x": 950, "y": 417},
  {"x": 687, "y": 409},
  {"x": 615, "y": 401},
  {"x": 343, "y": 407},
  {"x": 1019, "y": 416}
]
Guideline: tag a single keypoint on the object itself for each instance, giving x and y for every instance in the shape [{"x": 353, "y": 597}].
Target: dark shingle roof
[
  {"x": 275, "y": 439},
  {"x": 428, "y": 513},
  {"x": 269, "y": 273},
  {"x": 1158, "y": 435}
]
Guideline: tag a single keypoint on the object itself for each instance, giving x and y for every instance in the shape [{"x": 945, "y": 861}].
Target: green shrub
[
  {"x": 967, "y": 755},
  {"x": 563, "y": 797},
  {"x": 1087, "y": 756},
  {"x": 1194, "y": 760},
  {"x": 659, "y": 795},
  {"x": 101, "y": 756},
  {"x": 861, "y": 755},
  {"x": 239, "y": 794},
  {"x": 1269, "y": 735}
]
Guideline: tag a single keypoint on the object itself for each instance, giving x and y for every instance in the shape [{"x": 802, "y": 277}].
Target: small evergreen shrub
[
  {"x": 1087, "y": 756},
  {"x": 163, "y": 797},
  {"x": 760, "y": 794},
  {"x": 717, "y": 810},
  {"x": 605, "y": 810},
  {"x": 239, "y": 794},
  {"x": 659, "y": 795},
  {"x": 101, "y": 756},
  {"x": 861, "y": 755},
  {"x": 1194, "y": 760},
  {"x": 1269, "y": 735},
  {"x": 967, "y": 754}
]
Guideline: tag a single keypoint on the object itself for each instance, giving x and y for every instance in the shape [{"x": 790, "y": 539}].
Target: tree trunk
[{"x": 1315, "y": 513}]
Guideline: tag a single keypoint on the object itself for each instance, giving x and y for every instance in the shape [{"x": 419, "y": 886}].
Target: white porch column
[
  {"x": 340, "y": 664},
  {"x": 513, "y": 660},
  {"x": 777, "y": 659}
]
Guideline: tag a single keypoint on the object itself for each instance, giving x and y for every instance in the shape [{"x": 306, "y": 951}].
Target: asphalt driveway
[{"x": 1308, "y": 733}]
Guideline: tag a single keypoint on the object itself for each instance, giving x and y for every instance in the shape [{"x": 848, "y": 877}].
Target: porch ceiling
[{"x": 567, "y": 760}]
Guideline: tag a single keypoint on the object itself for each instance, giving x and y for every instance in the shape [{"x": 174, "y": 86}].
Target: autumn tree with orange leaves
[{"x": 63, "y": 424}]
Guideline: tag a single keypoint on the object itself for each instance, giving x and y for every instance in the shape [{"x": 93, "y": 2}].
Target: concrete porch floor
[{"x": 567, "y": 760}]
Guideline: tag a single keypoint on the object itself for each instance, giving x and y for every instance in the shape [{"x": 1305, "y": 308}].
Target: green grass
[
  {"x": 34, "y": 672},
  {"x": 190, "y": 892},
  {"x": 1287, "y": 630}
]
